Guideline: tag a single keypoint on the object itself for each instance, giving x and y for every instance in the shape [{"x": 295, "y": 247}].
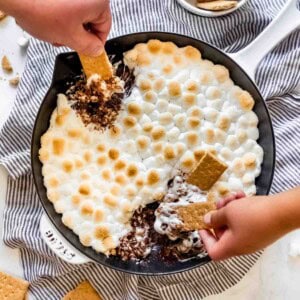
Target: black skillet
[{"x": 67, "y": 66}]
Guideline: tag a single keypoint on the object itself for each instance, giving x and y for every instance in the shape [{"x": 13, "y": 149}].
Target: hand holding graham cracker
[{"x": 206, "y": 173}]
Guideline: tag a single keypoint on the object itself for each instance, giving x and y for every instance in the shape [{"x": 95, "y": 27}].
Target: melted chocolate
[
  {"x": 154, "y": 245},
  {"x": 89, "y": 101}
]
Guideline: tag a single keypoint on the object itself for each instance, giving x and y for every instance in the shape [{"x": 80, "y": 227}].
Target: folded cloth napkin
[{"x": 279, "y": 80}]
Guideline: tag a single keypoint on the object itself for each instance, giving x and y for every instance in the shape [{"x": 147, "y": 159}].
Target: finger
[
  {"x": 216, "y": 249},
  {"x": 223, "y": 202},
  {"x": 215, "y": 219},
  {"x": 87, "y": 43},
  {"x": 208, "y": 239},
  {"x": 101, "y": 28},
  {"x": 219, "y": 232},
  {"x": 101, "y": 23},
  {"x": 240, "y": 195},
  {"x": 236, "y": 196},
  {"x": 57, "y": 45}
]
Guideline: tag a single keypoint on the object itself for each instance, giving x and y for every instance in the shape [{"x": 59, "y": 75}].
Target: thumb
[
  {"x": 102, "y": 26},
  {"x": 87, "y": 43},
  {"x": 215, "y": 219}
]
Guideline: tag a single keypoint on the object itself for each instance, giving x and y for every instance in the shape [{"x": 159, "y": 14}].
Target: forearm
[{"x": 286, "y": 207}]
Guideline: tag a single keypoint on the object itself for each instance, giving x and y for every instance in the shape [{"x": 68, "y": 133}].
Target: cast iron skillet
[{"x": 67, "y": 66}]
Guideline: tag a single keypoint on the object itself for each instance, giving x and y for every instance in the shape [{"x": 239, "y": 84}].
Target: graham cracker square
[
  {"x": 192, "y": 215},
  {"x": 84, "y": 291},
  {"x": 12, "y": 288},
  {"x": 207, "y": 172}
]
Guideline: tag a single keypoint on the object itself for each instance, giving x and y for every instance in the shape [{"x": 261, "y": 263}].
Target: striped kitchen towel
[{"x": 279, "y": 80}]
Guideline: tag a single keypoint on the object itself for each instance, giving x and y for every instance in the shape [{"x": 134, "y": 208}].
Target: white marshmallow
[
  {"x": 174, "y": 109},
  {"x": 162, "y": 105},
  {"x": 173, "y": 134}
]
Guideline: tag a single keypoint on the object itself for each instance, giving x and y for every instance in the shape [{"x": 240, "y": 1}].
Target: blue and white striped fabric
[{"x": 279, "y": 80}]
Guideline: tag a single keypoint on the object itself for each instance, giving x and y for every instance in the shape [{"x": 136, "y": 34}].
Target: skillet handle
[
  {"x": 59, "y": 245},
  {"x": 284, "y": 23}
]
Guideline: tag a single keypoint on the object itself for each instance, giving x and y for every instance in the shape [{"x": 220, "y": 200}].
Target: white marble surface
[{"x": 276, "y": 276}]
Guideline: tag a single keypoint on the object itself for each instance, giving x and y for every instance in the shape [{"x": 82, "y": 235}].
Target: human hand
[
  {"x": 242, "y": 226},
  {"x": 65, "y": 22}
]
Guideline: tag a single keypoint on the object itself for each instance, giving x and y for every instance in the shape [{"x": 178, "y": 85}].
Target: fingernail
[{"x": 207, "y": 218}]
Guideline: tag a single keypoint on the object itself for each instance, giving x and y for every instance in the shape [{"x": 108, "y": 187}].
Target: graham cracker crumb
[
  {"x": 14, "y": 81},
  {"x": 6, "y": 65}
]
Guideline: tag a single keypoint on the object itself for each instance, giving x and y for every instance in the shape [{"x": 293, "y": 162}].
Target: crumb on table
[
  {"x": 6, "y": 65},
  {"x": 14, "y": 81}
]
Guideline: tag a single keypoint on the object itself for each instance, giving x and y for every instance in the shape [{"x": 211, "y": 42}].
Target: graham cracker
[
  {"x": 14, "y": 81},
  {"x": 217, "y": 5},
  {"x": 12, "y": 288},
  {"x": 207, "y": 172},
  {"x": 97, "y": 65},
  {"x": 84, "y": 291},
  {"x": 192, "y": 215},
  {"x": 201, "y": 1}
]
